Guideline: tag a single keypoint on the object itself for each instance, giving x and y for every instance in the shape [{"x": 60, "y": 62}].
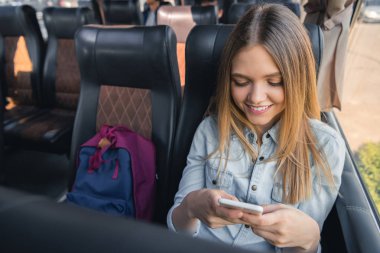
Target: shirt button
[
  {"x": 254, "y": 187},
  {"x": 261, "y": 158},
  {"x": 267, "y": 136},
  {"x": 251, "y": 137},
  {"x": 246, "y": 226}
]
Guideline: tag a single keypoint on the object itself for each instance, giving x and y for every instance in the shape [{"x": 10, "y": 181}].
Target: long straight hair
[{"x": 281, "y": 33}]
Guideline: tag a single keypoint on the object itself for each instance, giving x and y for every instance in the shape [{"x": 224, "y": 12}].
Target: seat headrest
[
  {"x": 183, "y": 18},
  {"x": 122, "y": 12},
  {"x": 205, "y": 45},
  {"x": 294, "y": 7},
  {"x": 14, "y": 20},
  {"x": 317, "y": 42},
  {"x": 206, "y": 41},
  {"x": 102, "y": 50},
  {"x": 237, "y": 10},
  {"x": 204, "y": 15},
  {"x": 64, "y": 22}
]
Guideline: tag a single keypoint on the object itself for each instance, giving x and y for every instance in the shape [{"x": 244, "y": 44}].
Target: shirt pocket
[
  {"x": 277, "y": 193},
  {"x": 223, "y": 181}
]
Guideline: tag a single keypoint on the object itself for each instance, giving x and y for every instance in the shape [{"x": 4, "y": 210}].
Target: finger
[
  {"x": 273, "y": 207},
  {"x": 269, "y": 229},
  {"x": 255, "y": 220},
  {"x": 217, "y": 194},
  {"x": 229, "y": 213},
  {"x": 216, "y": 222},
  {"x": 225, "y": 195},
  {"x": 270, "y": 237}
]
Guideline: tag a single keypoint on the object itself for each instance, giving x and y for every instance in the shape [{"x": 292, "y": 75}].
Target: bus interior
[{"x": 69, "y": 67}]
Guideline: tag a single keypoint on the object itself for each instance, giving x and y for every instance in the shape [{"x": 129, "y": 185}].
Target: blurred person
[{"x": 150, "y": 11}]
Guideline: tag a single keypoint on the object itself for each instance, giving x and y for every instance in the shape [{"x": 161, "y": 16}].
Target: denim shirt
[{"x": 255, "y": 182}]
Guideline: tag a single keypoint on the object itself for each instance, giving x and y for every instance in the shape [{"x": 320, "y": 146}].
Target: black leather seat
[
  {"x": 61, "y": 71},
  {"x": 122, "y": 12},
  {"x": 130, "y": 77},
  {"x": 203, "y": 50},
  {"x": 1, "y": 141},
  {"x": 225, "y": 6},
  {"x": 238, "y": 9},
  {"x": 21, "y": 60},
  {"x": 30, "y": 223},
  {"x": 51, "y": 131},
  {"x": 317, "y": 42},
  {"x": 96, "y": 7},
  {"x": 182, "y": 19}
]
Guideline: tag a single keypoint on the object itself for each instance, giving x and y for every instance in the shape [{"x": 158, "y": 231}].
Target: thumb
[{"x": 225, "y": 195}]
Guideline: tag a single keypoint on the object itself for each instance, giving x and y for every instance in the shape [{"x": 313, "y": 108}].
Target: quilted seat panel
[{"x": 114, "y": 109}]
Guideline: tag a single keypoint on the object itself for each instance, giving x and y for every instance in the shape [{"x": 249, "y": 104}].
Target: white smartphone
[{"x": 249, "y": 208}]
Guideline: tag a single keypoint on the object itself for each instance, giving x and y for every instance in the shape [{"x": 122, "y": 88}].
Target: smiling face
[{"x": 257, "y": 87}]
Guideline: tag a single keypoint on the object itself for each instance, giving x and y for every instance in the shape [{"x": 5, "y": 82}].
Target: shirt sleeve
[
  {"x": 324, "y": 195},
  {"x": 193, "y": 177}
]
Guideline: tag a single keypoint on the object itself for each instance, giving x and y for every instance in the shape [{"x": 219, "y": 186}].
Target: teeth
[{"x": 259, "y": 108}]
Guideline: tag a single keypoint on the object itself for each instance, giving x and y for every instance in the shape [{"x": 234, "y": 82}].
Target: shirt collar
[{"x": 273, "y": 133}]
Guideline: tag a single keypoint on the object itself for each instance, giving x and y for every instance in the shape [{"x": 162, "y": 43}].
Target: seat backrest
[
  {"x": 225, "y": 6},
  {"x": 203, "y": 50},
  {"x": 184, "y": 2},
  {"x": 1, "y": 139},
  {"x": 129, "y": 76},
  {"x": 238, "y": 9},
  {"x": 61, "y": 79},
  {"x": 74, "y": 229},
  {"x": 317, "y": 42},
  {"x": 97, "y": 9},
  {"x": 204, "y": 47},
  {"x": 122, "y": 12},
  {"x": 21, "y": 55},
  {"x": 182, "y": 19}
]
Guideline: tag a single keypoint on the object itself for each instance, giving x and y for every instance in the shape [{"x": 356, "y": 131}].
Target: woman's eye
[
  {"x": 276, "y": 83},
  {"x": 241, "y": 83}
]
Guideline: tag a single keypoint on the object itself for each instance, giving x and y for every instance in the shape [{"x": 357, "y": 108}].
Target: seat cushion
[
  {"x": 22, "y": 113},
  {"x": 49, "y": 131}
]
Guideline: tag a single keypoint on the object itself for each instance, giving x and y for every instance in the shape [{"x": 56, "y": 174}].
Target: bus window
[{"x": 360, "y": 115}]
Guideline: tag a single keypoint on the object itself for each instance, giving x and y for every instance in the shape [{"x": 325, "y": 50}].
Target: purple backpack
[{"x": 116, "y": 174}]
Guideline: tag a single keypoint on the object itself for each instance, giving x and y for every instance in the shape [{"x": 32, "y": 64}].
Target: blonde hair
[{"x": 280, "y": 32}]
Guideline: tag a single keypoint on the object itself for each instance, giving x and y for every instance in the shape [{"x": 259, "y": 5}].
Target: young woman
[{"x": 264, "y": 144}]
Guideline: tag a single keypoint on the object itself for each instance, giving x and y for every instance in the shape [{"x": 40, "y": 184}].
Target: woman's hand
[
  {"x": 203, "y": 205},
  {"x": 285, "y": 226}
]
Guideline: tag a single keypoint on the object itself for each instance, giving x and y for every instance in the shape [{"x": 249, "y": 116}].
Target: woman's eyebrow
[
  {"x": 275, "y": 74},
  {"x": 239, "y": 75}
]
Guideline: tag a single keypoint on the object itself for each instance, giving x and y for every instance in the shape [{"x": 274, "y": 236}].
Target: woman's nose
[{"x": 257, "y": 93}]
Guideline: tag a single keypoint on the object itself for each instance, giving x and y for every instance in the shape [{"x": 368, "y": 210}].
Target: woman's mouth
[{"x": 257, "y": 110}]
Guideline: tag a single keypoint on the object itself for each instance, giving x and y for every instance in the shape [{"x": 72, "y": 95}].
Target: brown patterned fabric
[
  {"x": 181, "y": 62},
  {"x": 130, "y": 107},
  {"x": 67, "y": 82},
  {"x": 18, "y": 67}
]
